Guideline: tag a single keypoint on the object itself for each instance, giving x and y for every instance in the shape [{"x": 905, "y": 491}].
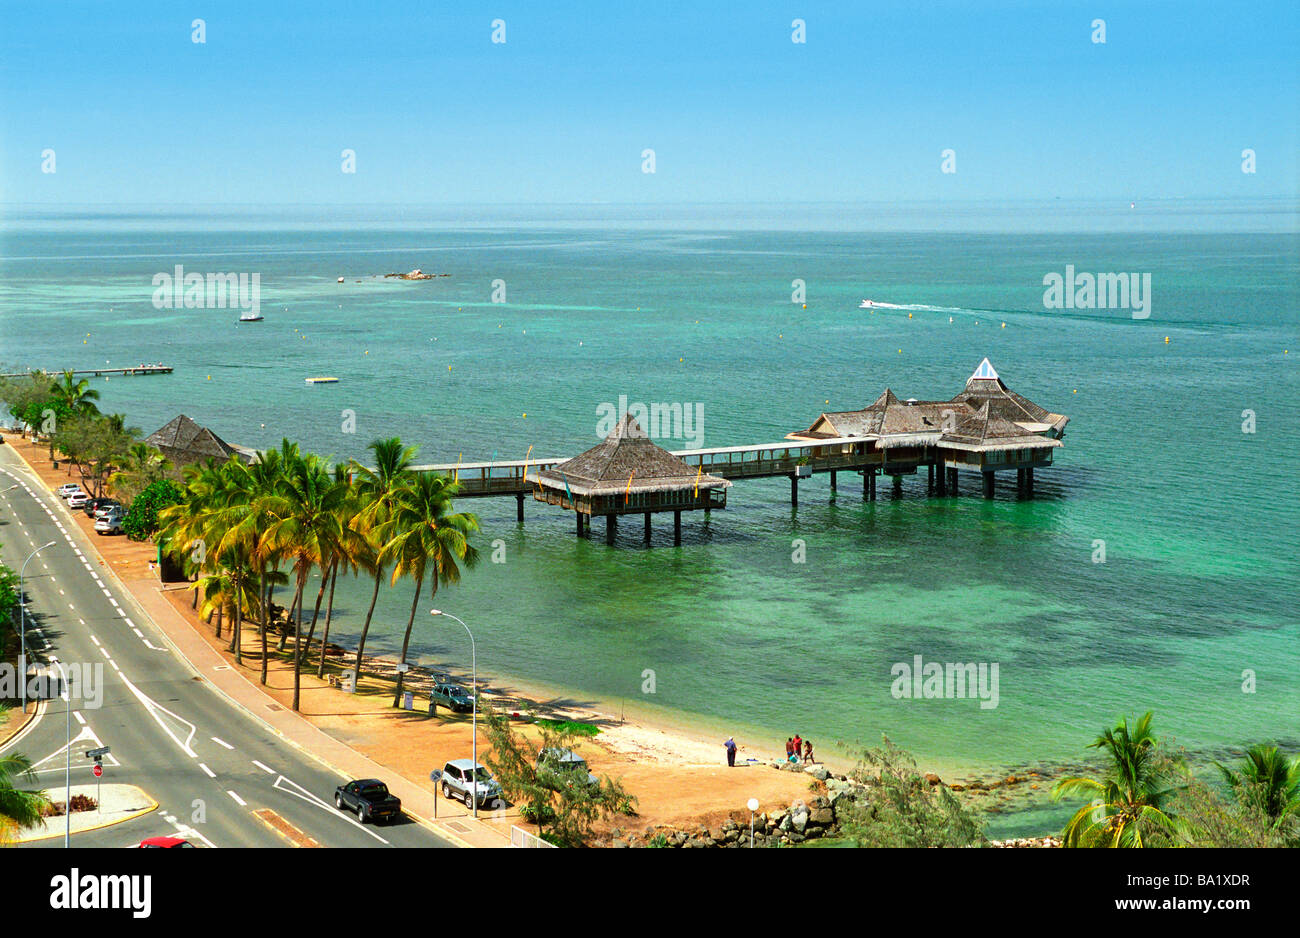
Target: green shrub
[{"x": 141, "y": 521}]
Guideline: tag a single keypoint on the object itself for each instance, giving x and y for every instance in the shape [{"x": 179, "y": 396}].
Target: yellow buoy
[
  {"x": 681, "y": 359},
  {"x": 805, "y": 306},
  {"x": 909, "y": 315},
  {"x": 1004, "y": 325},
  {"x": 900, "y": 351},
  {"x": 1076, "y": 390},
  {"x": 1166, "y": 340},
  {"x": 209, "y": 377},
  {"x": 525, "y": 415}
]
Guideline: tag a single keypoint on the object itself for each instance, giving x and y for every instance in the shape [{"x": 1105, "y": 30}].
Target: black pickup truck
[{"x": 369, "y": 799}]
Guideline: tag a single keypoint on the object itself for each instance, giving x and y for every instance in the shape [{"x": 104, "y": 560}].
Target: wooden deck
[{"x": 99, "y": 372}]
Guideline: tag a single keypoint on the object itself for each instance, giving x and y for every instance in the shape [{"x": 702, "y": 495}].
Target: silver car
[
  {"x": 110, "y": 522},
  {"x": 460, "y": 781}
]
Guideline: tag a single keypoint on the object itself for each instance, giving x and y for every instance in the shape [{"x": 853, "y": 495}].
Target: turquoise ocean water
[{"x": 693, "y": 305}]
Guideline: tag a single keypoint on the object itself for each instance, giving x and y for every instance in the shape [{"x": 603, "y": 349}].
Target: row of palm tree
[
  {"x": 1136, "y": 802},
  {"x": 244, "y": 529}
]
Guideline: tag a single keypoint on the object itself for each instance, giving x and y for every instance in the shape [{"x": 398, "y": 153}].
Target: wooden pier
[
  {"x": 984, "y": 430},
  {"x": 100, "y": 372}
]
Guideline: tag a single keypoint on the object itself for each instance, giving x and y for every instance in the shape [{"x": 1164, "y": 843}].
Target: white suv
[
  {"x": 78, "y": 499},
  {"x": 68, "y": 488}
]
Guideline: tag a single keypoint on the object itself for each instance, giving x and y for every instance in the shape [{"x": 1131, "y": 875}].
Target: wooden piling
[
  {"x": 677, "y": 528},
  {"x": 611, "y": 528},
  {"x": 647, "y": 527},
  {"x": 794, "y": 490},
  {"x": 519, "y": 507},
  {"x": 832, "y": 480},
  {"x": 988, "y": 483}
]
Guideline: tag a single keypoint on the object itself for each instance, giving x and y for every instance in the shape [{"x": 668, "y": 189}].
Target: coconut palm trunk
[
  {"x": 329, "y": 614},
  {"x": 297, "y": 639},
  {"x": 265, "y": 623},
  {"x": 365, "y": 628},
  {"x": 305, "y": 649},
  {"x": 406, "y": 639}
]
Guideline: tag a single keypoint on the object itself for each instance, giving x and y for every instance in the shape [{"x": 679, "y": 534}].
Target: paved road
[{"x": 208, "y": 764}]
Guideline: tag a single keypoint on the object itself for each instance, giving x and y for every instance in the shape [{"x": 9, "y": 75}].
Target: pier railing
[{"x": 762, "y": 460}]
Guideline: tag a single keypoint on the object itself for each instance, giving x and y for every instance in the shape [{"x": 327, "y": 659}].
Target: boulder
[
  {"x": 933, "y": 779},
  {"x": 799, "y": 819},
  {"x": 618, "y": 843},
  {"x": 795, "y": 837},
  {"x": 823, "y": 817},
  {"x": 818, "y": 772}
]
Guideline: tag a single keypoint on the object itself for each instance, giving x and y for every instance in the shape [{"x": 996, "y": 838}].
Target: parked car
[
  {"x": 164, "y": 842},
  {"x": 67, "y": 488},
  {"x": 369, "y": 798},
  {"x": 462, "y": 780},
  {"x": 78, "y": 499},
  {"x": 452, "y": 696},
  {"x": 96, "y": 505},
  {"x": 110, "y": 522},
  {"x": 567, "y": 764}
]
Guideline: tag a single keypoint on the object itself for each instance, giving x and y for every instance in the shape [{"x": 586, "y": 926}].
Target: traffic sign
[{"x": 98, "y": 769}]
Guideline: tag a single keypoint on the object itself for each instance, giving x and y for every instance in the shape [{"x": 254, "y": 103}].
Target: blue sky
[{"x": 137, "y": 113}]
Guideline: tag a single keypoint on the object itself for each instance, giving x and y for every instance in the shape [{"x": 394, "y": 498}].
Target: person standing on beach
[
  {"x": 808, "y": 753},
  {"x": 730, "y": 745},
  {"x": 796, "y": 748},
  {"x": 789, "y": 748}
]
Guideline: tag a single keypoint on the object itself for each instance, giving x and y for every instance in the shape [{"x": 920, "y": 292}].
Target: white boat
[
  {"x": 251, "y": 316},
  {"x": 865, "y": 304}
]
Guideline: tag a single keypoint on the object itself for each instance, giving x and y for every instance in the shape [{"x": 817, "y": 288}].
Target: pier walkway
[
  {"x": 793, "y": 459},
  {"x": 100, "y": 372}
]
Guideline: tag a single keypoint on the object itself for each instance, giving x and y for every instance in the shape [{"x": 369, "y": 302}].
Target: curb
[{"x": 153, "y": 806}]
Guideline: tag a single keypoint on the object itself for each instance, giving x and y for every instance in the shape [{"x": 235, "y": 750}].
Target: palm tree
[
  {"x": 142, "y": 465},
  {"x": 1129, "y": 804},
  {"x": 303, "y": 527},
  {"x": 19, "y": 807},
  {"x": 78, "y": 395},
  {"x": 1270, "y": 779},
  {"x": 376, "y": 489},
  {"x": 345, "y": 509},
  {"x": 421, "y": 529}
]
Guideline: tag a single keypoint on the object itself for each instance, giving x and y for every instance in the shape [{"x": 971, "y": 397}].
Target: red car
[{"x": 165, "y": 842}]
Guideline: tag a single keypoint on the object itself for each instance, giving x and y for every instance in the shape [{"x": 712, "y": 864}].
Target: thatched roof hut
[
  {"x": 627, "y": 473},
  {"x": 183, "y": 441},
  {"x": 985, "y": 414}
]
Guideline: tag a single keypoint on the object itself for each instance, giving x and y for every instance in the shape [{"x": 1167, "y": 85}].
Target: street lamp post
[
  {"x": 473, "y": 653},
  {"x": 67, "y": 779},
  {"x": 22, "y": 635},
  {"x": 753, "y": 806}
]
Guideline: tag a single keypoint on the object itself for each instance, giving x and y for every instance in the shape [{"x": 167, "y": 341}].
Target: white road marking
[
  {"x": 221, "y": 742},
  {"x": 155, "y": 709},
  {"x": 307, "y": 796},
  {"x": 80, "y": 718},
  {"x": 238, "y": 800},
  {"x": 210, "y": 773},
  {"x": 267, "y": 769}
]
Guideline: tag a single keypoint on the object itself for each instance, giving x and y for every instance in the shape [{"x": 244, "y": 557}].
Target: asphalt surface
[{"x": 209, "y": 765}]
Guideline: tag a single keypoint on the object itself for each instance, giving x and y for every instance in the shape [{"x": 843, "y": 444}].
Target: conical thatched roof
[
  {"x": 626, "y": 460},
  {"x": 184, "y": 441},
  {"x": 986, "y": 408},
  {"x": 986, "y": 429}
]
